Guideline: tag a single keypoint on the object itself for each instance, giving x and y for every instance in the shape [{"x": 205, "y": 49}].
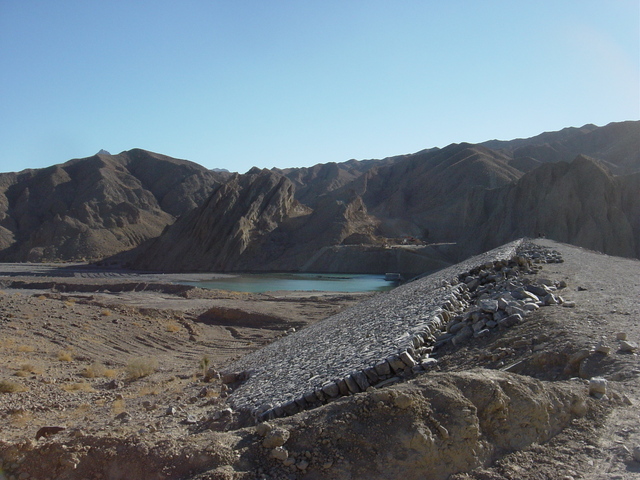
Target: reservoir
[{"x": 307, "y": 282}]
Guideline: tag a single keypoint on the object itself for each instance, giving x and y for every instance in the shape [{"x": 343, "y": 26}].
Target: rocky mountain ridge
[{"x": 410, "y": 213}]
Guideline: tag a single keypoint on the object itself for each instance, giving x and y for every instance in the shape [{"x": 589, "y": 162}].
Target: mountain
[
  {"x": 617, "y": 145},
  {"x": 579, "y": 202},
  {"x": 253, "y": 223},
  {"x": 94, "y": 207},
  {"x": 313, "y": 182},
  {"x": 409, "y": 213}
]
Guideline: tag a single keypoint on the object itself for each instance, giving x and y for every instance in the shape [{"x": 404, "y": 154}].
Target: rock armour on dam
[{"x": 392, "y": 335}]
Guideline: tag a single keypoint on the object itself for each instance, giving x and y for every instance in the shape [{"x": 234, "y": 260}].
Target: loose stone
[
  {"x": 603, "y": 348},
  {"x": 383, "y": 368},
  {"x": 372, "y": 375},
  {"x": 280, "y": 453},
  {"x": 428, "y": 363},
  {"x": 361, "y": 380},
  {"x": 396, "y": 364},
  {"x": 597, "y": 387},
  {"x": 407, "y": 359},
  {"x": 276, "y": 438},
  {"x": 626, "y": 346},
  {"x": 510, "y": 321},
  {"x": 342, "y": 386},
  {"x": 636, "y": 453},
  {"x": 331, "y": 389},
  {"x": 352, "y": 385}
]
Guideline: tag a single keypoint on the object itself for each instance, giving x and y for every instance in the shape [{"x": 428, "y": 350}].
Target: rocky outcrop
[{"x": 97, "y": 206}]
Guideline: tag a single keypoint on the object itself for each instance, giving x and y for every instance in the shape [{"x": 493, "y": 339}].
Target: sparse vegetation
[
  {"x": 118, "y": 406},
  {"x": 204, "y": 365},
  {"x": 141, "y": 367},
  {"x": 172, "y": 327},
  {"x": 94, "y": 370},
  {"x": 25, "y": 348},
  {"x": 20, "y": 419},
  {"x": 65, "y": 355},
  {"x": 82, "y": 409},
  {"x": 105, "y": 313},
  {"x": 149, "y": 390},
  {"x": 77, "y": 387},
  {"x": 9, "y": 386},
  {"x": 27, "y": 369}
]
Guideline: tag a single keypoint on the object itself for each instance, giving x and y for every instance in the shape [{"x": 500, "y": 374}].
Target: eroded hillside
[{"x": 94, "y": 207}]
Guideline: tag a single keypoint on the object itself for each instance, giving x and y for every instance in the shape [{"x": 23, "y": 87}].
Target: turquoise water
[{"x": 269, "y": 282}]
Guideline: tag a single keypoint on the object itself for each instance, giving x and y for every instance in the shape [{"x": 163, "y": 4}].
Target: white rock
[
  {"x": 597, "y": 387},
  {"x": 603, "y": 348},
  {"x": 626, "y": 346}
]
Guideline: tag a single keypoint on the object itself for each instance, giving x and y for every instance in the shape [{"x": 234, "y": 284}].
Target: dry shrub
[
  {"x": 211, "y": 393},
  {"x": 105, "y": 313},
  {"x": 9, "y": 386},
  {"x": 25, "y": 348},
  {"x": 97, "y": 369},
  {"x": 21, "y": 419},
  {"x": 141, "y": 367},
  {"x": 149, "y": 390},
  {"x": 172, "y": 327},
  {"x": 66, "y": 355},
  {"x": 27, "y": 369},
  {"x": 118, "y": 406},
  {"x": 81, "y": 410},
  {"x": 78, "y": 387},
  {"x": 94, "y": 370}
]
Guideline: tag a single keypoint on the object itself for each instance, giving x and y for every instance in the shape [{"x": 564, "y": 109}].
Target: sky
[{"x": 240, "y": 83}]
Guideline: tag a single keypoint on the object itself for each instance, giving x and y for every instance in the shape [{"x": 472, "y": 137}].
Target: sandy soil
[{"x": 80, "y": 359}]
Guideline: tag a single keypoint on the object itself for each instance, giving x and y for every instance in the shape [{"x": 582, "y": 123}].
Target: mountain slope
[
  {"x": 373, "y": 215},
  {"x": 579, "y": 203},
  {"x": 253, "y": 222},
  {"x": 96, "y": 206},
  {"x": 617, "y": 145}
]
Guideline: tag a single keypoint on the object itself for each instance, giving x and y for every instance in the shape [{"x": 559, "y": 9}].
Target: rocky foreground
[{"x": 520, "y": 364}]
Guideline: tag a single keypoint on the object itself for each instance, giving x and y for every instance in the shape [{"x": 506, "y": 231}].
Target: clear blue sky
[{"x": 237, "y": 83}]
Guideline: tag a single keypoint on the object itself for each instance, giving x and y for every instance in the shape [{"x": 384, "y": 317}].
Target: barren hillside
[{"x": 94, "y": 207}]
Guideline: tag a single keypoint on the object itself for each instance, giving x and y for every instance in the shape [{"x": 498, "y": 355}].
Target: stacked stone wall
[{"x": 393, "y": 336}]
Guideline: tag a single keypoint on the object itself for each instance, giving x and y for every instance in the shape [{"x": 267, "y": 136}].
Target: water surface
[{"x": 270, "y": 282}]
